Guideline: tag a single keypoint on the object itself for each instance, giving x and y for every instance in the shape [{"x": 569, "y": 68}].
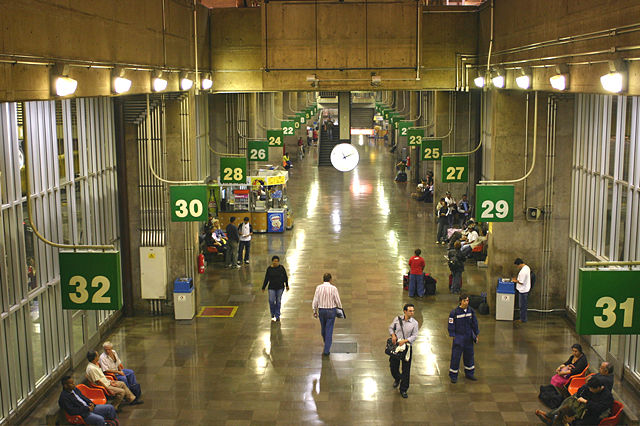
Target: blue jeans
[
  {"x": 524, "y": 304},
  {"x": 275, "y": 296},
  {"x": 327, "y": 319},
  {"x": 99, "y": 414},
  {"x": 246, "y": 245},
  {"x": 129, "y": 379},
  {"x": 416, "y": 285}
]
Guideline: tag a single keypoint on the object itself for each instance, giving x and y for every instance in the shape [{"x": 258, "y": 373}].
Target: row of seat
[
  {"x": 97, "y": 393},
  {"x": 576, "y": 383}
]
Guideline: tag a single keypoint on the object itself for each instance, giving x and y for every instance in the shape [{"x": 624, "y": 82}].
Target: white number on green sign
[
  {"x": 608, "y": 317},
  {"x": 403, "y": 132},
  {"x": 501, "y": 207},
  {"x": 288, "y": 130},
  {"x": 276, "y": 141},
  {"x": 431, "y": 153},
  {"x": 415, "y": 140},
  {"x": 81, "y": 294},
  {"x": 452, "y": 171},
  {"x": 195, "y": 208},
  {"x": 236, "y": 173},
  {"x": 257, "y": 154}
]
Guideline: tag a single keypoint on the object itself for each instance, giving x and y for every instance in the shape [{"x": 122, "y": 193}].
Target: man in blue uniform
[{"x": 463, "y": 328}]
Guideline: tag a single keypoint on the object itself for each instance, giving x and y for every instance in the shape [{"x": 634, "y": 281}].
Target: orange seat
[
  {"x": 74, "y": 420},
  {"x": 576, "y": 383},
  {"x": 96, "y": 396},
  {"x": 616, "y": 413},
  {"x": 97, "y": 386}
]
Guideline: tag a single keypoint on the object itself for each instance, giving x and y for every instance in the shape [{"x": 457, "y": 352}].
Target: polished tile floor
[{"x": 362, "y": 227}]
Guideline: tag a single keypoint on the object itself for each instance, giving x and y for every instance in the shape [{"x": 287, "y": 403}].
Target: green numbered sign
[
  {"x": 301, "y": 118},
  {"x": 233, "y": 170},
  {"x": 386, "y": 115},
  {"x": 403, "y": 127},
  {"x": 296, "y": 121},
  {"x": 607, "y": 302},
  {"x": 90, "y": 281},
  {"x": 307, "y": 115},
  {"x": 288, "y": 127},
  {"x": 415, "y": 136},
  {"x": 455, "y": 169},
  {"x": 431, "y": 149},
  {"x": 275, "y": 137},
  {"x": 258, "y": 151},
  {"x": 188, "y": 203},
  {"x": 494, "y": 203}
]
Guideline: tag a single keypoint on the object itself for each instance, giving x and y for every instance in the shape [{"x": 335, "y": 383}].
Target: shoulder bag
[{"x": 391, "y": 347}]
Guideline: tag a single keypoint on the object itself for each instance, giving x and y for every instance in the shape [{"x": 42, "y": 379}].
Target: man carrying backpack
[
  {"x": 456, "y": 266},
  {"x": 523, "y": 285}
]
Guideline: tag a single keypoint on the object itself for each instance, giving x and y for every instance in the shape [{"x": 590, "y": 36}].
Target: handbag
[
  {"x": 340, "y": 313},
  {"x": 391, "y": 347}
]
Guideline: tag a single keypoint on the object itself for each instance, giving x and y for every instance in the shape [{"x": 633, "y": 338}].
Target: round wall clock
[{"x": 344, "y": 157}]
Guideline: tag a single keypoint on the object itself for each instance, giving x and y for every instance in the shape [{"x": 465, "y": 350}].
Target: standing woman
[{"x": 276, "y": 278}]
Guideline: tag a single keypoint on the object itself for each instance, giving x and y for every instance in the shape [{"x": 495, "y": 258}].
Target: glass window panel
[
  {"x": 79, "y": 214},
  {"x": 612, "y": 136},
  {"x": 64, "y": 213},
  {"x": 92, "y": 323},
  {"x": 77, "y": 331},
  {"x": 37, "y": 339},
  {"x": 622, "y": 235},
  {"x": 29, "y": 245},
  {"x": 60, "y": 142},
  {"x": 607, "y": 231},
  {"x": 15, "y": 360}
]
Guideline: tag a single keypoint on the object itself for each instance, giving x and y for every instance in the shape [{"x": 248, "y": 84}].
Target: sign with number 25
[
  {"x": 494, "y": 203},
  {"x": 90, "y": 281},
  {"x": 606, "y": 302}
]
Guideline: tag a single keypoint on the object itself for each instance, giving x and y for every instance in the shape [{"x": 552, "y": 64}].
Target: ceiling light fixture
[
  {"x": 560, "y": 80},
  {"x": 206, "y": 82},
  {"x": 523, "y": 81},
  {"x": 119, "y": 84},
  {"x": 61, "y": 83},
  {"x": 479, "y": 81},
  {"x": 616, "y": 79},
  {"x": 158, "y": 82},
  {"x": 186, "y": 82},
  {"x": 497, "y": 78}
]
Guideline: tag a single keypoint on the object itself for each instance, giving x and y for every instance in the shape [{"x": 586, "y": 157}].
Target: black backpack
[
  {"x": 550, "y": 396},
  {"x": 532, "y": 277}
]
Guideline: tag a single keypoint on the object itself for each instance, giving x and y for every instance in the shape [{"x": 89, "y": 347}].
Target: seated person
[
  {"x": 110, "y": 363},
  {"x": 217, "y": 238},
  {"x": 576, "y": 364},
  {"x": 118, "y": 389},
  {"x": 565, "y": 417},
  {"x": 74, "y": 403},
  {"x": 421, "y": 191},
  {"x": 468, "y": 238},
  {"x": 591, "y": 403}
]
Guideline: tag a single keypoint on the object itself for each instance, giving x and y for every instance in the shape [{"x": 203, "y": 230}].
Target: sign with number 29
[{"x": 494, "y": 203}]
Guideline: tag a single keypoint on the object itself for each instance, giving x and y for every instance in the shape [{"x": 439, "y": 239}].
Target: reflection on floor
[{"x": 362, "y": 227}]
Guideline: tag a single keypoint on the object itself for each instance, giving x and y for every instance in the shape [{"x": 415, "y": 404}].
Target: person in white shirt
[
  {"x": 468, "y": 238},
  {"x": 246, "y": 231},
  {"x": 453, "y": 208},
  {"x": 110, "y": 363},
  {"x": 325, "y": 301},
  {"x": 119, "y": 390},
  {"x": 523, "y": 285}
]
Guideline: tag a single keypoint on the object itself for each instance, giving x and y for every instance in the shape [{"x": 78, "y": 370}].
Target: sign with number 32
[{"x": 90, "y": 281}]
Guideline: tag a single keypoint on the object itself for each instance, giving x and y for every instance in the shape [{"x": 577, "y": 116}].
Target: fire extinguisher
[{"x": 201, "y": 263}]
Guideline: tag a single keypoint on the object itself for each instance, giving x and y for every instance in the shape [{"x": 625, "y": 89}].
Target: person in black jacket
[
  {"x": 597, "y": 399},
  {"x": 456, "y": 266},
  {"x": 76, "y": 404},
  {"x": 276, "y": 278}
]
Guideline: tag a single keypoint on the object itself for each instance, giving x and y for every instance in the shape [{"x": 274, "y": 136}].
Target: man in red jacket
[{"x": 416, "y": 275}]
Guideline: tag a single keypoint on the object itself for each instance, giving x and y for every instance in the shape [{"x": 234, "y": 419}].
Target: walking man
[
  {"x": 234, "y": 238},
  {"x": 403, "y": 331},
  {"x": 325, "y": 301},
  {"x": 277, "y": 280},
  {"x": 416, "y": 275},
  {"x": 523, "y": 285},
  {"x": 456, "y": 266},
  {"x": 463, "y": 328},
  {"x": 245, "y": 232}
]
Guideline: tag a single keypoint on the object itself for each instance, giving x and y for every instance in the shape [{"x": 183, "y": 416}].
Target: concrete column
[
  {"x": 523, "y": 238},
  {"x": 218, "y": 130},
  {"x": 344, "y": 116},
  {"x": 131, "y": 169},
  {"x": 412, "y": 98},
  {"x": 441, "y": 128},
  {"x": 181, "y": 237}
]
